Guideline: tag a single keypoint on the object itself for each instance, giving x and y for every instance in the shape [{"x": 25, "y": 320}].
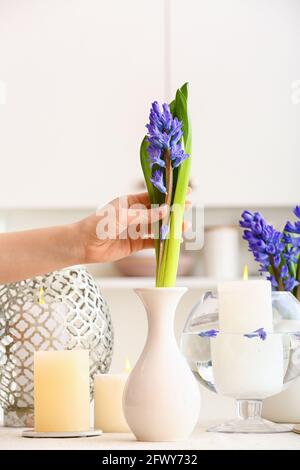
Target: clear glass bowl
[{"x": 248, "y": 369}]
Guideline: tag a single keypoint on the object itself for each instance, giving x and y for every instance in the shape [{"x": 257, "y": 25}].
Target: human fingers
[
  {"x": 139, "y": 198},
  {"x": 146, "y": 216}
]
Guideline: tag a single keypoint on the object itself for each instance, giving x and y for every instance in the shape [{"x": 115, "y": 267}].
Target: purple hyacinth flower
[
  {"x": 277, "y": 260},
  {"x": 271, "y": 249},
  {"x": 163, "y": 130},
  {"x": 259, "y": 333},
  {"x": 208, "y": 334},
  {"x": 176, "y": 131},
  {"x": 164, "y": 134},
  {"x": 155, "y": 157},
  {"x": 284, "y": 272},
  {"x": 266, "y": 243},
  {"x": 159, "y": 121},
  {"x": 273, "y": 281},
  {"x": 297, "y": 211},
  {"x": 157, "y": 179},
  {"x": 290, "y": 283},
  {"x": 292, "y": 228},
  {"x": 291, "y": 254},
  {"x": 164, "y": 231},
  {"x": 292, "y": 250},
  {"x": 247, "y": 216},
  {"x": 178, "y": 155}
]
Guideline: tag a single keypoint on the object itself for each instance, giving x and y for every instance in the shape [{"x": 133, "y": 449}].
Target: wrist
[{"x": 76, "y": 244}]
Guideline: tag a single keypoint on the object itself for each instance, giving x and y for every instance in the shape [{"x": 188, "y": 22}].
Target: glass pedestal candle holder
[
  {"x": 247, "y": 367},
  {"x": 249, "y": 420}
]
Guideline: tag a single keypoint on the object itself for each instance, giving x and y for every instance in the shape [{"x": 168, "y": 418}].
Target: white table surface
[{"x": 10, "y": 438}]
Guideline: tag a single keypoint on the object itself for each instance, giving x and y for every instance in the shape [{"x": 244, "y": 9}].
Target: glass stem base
[{"x": 249, "y": 420}]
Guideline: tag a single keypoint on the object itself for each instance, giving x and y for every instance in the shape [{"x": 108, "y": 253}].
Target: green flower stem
[
  {"x": 170, "y": 260},
  {"x": 168, "y": 200}
]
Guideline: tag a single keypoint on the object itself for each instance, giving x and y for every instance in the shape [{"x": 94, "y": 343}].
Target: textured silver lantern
[{"x": 61, "y": 310}]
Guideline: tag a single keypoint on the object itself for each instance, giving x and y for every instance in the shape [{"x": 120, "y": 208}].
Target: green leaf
[
  {"x": 154, "y": 195},
  {"x": 146, "y": 168},
  {"x": 172, "y": 107},
  {"x": 184, "y": 90}
]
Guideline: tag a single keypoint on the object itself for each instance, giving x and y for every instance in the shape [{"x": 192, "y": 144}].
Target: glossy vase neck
[{"x": 161, "y": 304}]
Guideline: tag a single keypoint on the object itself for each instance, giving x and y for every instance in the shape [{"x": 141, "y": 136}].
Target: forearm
[{"x": 34, "y": 252}]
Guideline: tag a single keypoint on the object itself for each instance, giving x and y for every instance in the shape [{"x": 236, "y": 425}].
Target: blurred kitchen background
[{"x": 77, "y": 78}]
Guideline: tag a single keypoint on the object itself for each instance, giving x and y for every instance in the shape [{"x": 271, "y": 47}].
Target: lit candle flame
[
  {"x": 41, "y": 296},
  {"x": 127, "y": 366},
  {"x": 246, "y": 273}
]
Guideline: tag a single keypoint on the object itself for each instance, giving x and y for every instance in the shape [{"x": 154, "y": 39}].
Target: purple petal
[
  {"x": 297, "y": 211},
  {"x": 290, "y": 283},
  {"x": 209, "y": 333},
  {"x": 259, "y": 333},
  {"x": 284, "y": 271},
  {"x": 157, "y": 179},
  {"x": 155, "y": 156}
]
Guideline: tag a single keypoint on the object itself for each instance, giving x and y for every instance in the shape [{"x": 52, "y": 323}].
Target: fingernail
[{"x": 186, "y": 225}]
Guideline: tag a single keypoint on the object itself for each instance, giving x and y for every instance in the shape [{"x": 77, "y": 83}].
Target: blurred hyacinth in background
[{"x": 278, "y": 253}]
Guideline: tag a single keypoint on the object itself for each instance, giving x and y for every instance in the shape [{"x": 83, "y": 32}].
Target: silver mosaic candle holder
[{"x": 71, "y": 314}]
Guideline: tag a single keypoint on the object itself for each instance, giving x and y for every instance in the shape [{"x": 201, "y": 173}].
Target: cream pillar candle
[
  {"x": 61, "y": 391},
  {"x": 108, "y": 396},
  {"x": 245, "y": 306}
]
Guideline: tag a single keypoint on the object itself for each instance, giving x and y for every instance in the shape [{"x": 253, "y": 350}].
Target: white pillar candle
[
  {"x": 245, "y": 306},
  {"x": 61, "y": 391},
  {"x": 247, "y": 368},
  {"x": 108, "y": 396}
]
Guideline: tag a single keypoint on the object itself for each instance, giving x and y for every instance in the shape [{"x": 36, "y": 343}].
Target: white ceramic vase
[{"x": 161, "y": 400}]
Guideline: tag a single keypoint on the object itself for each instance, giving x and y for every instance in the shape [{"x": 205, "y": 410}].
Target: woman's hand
[
  {"x": 120, "y": 228},
  {"x": 115, "y": 231}
]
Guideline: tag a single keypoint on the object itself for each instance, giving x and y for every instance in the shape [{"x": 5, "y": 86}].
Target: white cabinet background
[{"x": 80, "y": 76}]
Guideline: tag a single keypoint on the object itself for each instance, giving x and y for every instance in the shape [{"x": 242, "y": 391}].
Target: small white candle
[
  {"x": 108, "y": 408},
  {"x": 61, "y": 391},
  {"x": 245, "y": 306}
]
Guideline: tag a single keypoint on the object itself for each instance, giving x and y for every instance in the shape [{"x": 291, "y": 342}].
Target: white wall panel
[
  {"x": 80, "y": 76},
  {"x": 242, "y": 59}
]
